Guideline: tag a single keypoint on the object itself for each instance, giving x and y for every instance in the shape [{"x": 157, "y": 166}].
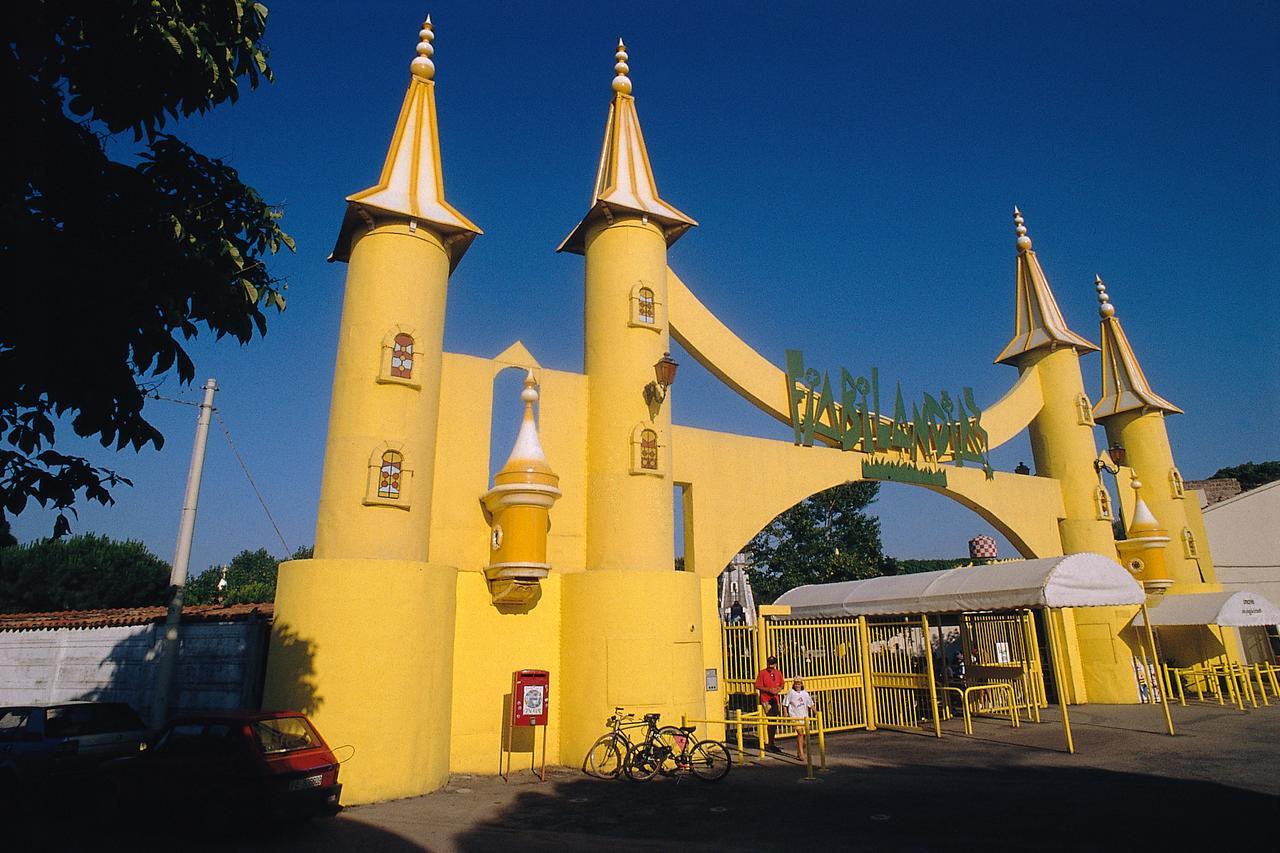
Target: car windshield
[
  {"x": 13, "y": 722},
  {"x": 285, "y": 734},
  {"x": 91, "y": 719}
]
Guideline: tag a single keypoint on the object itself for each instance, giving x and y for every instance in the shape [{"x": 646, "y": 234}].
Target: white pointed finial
[
  {"x": 1024, "y": 242},
  {"x": 422, "y": 67},
  {"x": 1105, "y": 308},
  {"x": 621, "y": 83},
  {"x": 530, "y": 393}
]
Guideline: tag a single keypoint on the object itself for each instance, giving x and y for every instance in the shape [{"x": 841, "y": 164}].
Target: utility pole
[{"x": 181, "y": 558}]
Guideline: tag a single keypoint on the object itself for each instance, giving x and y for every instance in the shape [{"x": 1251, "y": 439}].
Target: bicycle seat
[
  {"x": 689, "y": 729},
  {"x": 652, "y": 717}
]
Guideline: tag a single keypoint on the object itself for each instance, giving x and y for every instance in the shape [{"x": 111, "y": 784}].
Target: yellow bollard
[
  {"x": 822, "y": 741},
  {"x": 737, "y": 713},
  {"x": 760, "y": 733},
  {"x": 1262, "y": 688}
]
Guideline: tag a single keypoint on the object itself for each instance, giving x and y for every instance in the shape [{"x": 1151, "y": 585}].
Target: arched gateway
[{"x": 430, "y": 584}]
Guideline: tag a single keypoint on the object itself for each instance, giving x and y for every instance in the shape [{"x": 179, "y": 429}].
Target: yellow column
[
  {"x": 397, "y": 279},
  {"x": 1147, "y": 452},
  {"x": 632, "y": 624},
  {"x": 1064, "y": 449}
]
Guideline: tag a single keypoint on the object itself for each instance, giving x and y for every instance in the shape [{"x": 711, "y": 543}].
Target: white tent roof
[
  {"x": 1234, "y": 609},
  {"x": 1077, "y": 580}
]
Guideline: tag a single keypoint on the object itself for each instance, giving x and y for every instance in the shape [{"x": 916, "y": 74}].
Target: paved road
[{"x": 1130, "y": 786}]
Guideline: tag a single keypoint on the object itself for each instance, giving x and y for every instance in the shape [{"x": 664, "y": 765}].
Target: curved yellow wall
[{"x": 365, "y": 647}]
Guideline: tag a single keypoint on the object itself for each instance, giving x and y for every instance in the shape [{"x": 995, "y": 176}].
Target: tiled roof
[{"x": 122, "y": 616}]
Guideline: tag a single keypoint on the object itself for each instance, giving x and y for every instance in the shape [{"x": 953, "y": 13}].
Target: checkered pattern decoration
[{"x": 983, "y": 547}]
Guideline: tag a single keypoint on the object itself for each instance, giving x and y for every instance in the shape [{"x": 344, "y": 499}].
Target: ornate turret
[
  {"x": 518, "y": 511},
  {"x": 624, "y": 180},
  {"x": 1142, "y": 551},
  {"x": 412, "y": 180},
  {"x": 1037, "y": 320},
  {"x": 1124, "y": 386}
]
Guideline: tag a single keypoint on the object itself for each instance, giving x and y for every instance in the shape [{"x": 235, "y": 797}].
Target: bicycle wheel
[
  {"x": 709, "y": 760},
  {"x": 606, "y": 758},
  {"x": 643, "y": 762},
  {"x": 675, "y": 746}
]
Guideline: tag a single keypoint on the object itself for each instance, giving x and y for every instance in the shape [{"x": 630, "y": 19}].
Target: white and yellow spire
[
  {"x": 624, "y": 180},
  {"x": 527, "y": 462},
  {"x": 412, "y": 180},
  {"x": 1038, "y": 322},
  {"x": 1124, "y": 386}
]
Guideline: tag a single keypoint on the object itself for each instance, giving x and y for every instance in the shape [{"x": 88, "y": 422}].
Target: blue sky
[{"x": 853, "y": 167}]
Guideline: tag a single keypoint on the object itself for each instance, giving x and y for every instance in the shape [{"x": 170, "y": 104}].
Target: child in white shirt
[{"x": 799, "y": 705}]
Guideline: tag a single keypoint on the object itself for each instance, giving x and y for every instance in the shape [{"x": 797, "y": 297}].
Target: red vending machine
[{"x": 530, "y": 696}]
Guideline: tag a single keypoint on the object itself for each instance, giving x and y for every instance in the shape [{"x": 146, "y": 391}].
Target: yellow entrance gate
[{"x": 892, "y": 671}]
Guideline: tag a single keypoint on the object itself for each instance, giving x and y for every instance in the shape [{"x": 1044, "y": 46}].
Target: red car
[{"x": 270, "y": 761}]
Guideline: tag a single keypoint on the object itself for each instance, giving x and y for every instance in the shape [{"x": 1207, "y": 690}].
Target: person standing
[
  {"x": 800, "y": 706},
  {"x": 769, "y": 685}
]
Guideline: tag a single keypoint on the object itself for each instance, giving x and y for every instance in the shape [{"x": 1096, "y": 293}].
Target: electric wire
[{"x": 235, "y": 452}]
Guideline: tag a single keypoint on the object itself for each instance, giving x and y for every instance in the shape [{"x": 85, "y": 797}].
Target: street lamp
[{"x": 664, "y": 372}]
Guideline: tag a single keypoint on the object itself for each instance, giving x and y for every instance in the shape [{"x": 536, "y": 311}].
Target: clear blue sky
[{"x": 853, "y": 166}]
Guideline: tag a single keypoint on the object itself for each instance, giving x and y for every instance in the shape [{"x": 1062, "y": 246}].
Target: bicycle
[
  {"x": 609, "y": 754},
  {"x": 675, "y": 751}
]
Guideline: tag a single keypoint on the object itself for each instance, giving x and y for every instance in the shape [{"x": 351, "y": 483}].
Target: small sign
[
  {"x": 713, "y": 680},
  {"x": 533, "y": 696},
  {"x": 1002, "y": 653}
]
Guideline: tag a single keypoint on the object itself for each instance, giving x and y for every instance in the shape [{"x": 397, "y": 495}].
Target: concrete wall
[{"x": 219, "y": 666}]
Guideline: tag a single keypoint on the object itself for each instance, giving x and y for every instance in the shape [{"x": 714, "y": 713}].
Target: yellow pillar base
[
  {"x": 365, "y": 648},
  {"x": 629, "y": 638}
]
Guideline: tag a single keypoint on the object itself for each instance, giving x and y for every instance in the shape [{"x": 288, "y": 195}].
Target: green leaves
[
  {"x": 80, "y": 573},
  {"x": 823, "y": 539},
  {"x": 119, "y": 262}
]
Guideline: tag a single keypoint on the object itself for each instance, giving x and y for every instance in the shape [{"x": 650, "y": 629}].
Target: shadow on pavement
[{"x": 887, "y": 808}]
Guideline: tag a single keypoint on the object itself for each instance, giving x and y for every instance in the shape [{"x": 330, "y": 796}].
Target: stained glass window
[
  {"x": 389, "y": 475},
  {"x": 402, "y": 356},
  {"x": 649, "y": 450},
  {"x": 645, "y": 307}
]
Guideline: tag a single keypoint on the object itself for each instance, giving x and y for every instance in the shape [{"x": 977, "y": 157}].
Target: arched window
[
  {"x": 1084, "y": 410},
  {"x": 1189, "y": 548},
  {"x": 644, "y": 305},
  {"x": 1103, "y": 499},
  {"x": 389, "y": 474},
  {"x": 402, "y": 356},
  {"x": 649, "y": 450},
  {"x": 1176, "y": 485}
]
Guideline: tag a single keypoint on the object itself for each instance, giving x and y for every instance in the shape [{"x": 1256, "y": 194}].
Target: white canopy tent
[
  {"x": 1076, "y": 580},
  {"x": 1233, "y": 609}
]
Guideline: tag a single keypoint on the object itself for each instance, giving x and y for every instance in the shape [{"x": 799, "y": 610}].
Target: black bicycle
[
  {"x": 676, "y": 751},
  {"x": 609, "y": 754}
]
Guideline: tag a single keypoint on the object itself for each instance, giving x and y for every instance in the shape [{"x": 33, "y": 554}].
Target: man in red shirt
[{"x": 769, "y": 685}]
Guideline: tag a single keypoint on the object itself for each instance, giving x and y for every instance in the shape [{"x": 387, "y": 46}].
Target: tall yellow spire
[
  {"x": 1124, "y": 386},
  {"x": 624, "y": 180},
  {"x": 1037, "y": 322},
  {"x": 412, "y": 180}
]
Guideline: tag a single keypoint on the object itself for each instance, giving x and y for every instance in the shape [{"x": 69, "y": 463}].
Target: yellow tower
[
  {"x": 1133, "y": 415},
  {"x": 364, "y": 632},
  {"x": 518, "y": 509},
  {"x": 639, "y": 618},
  {"x": 1062, "y": 441},
  {"x": 1063, "y": 448}
]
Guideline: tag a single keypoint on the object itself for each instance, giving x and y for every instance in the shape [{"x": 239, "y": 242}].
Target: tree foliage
[
  {"x": 1251, "y": 474},
  {"x": 251, "y": 578},
  {"x": 80, "y": 573},
  {"x": 118, "y": 241},
  {"x": 824, "y": 538}
]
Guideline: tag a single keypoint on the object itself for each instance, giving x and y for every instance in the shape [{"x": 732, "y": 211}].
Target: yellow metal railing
[
  {"x": 980, "y": 690},
  {"x": 787, "y": 727}
]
